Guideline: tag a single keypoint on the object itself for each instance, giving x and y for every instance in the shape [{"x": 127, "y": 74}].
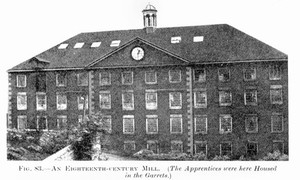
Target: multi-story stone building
[{"x": 205, "y": 88}]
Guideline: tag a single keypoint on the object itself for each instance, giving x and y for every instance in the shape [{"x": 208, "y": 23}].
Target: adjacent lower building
[{"x": 210, "y": 89}]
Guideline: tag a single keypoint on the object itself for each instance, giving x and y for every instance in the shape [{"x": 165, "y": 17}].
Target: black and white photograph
[{"x": 148, "y": 89}]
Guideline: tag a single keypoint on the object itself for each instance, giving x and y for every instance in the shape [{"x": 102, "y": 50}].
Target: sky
[{"x": 33, "y": 26}]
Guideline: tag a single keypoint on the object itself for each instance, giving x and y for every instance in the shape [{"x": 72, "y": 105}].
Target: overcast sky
[{"x": 29, "y": 27}]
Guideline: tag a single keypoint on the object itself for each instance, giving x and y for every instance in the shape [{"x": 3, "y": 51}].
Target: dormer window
[
  {"x": 78, "y": 45},
  {"x": 96, "y": 44},
  {"x": 115, "y": 43},
  {"x": 198, "y": 38},
  {"x": 63, "y": 46},
  {"x": 176, "y": 39}
]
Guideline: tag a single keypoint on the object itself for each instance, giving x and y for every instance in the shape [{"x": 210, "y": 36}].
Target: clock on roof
[{"x": 137, "y": 53}]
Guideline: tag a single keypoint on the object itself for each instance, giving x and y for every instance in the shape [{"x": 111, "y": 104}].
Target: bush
[
  {"x": 275, "y": 156},
  {"x": 221, "y": 158},
  {"x": 82, "y": 149}
]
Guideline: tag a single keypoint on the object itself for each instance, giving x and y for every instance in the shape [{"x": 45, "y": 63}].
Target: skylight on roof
[
  {"x": 96, "y": 44},
  {"x": 79, "y": 45},
  {"x": 63, "y": 46},
  {"x": 176, "y": 39},
  {"x": 198, "y": 38},
  {"x": 115, "y": 43}
]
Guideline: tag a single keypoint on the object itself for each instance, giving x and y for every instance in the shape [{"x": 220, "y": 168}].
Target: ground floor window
[
  {"x": 225, "y": 149},
  {"x": 153, "y": 146},
  {"x": 176, "y": 146},
  {"x": 252, "y": 148},
  {"x": 278, "y": 146},
  {"x": 61, "y": 122},
  {"x": 201, "y": 147},
  {"x": 22, "y": 122},
  {"x": 42, "y": 123},
  {"x": 129, "y": 146}
]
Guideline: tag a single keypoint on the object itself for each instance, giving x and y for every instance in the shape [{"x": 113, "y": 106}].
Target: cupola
[{"x": 150, "y": 18}]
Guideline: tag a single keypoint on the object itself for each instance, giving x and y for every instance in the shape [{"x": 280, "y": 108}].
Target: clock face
[{"x": 137, "y": 53}]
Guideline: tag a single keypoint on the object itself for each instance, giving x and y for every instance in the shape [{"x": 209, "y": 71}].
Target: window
[
  {"x": 40, "y": 83},
  {"x": 80, "y": 118},
  {"x": 129, "y": 146},
  {"x": 224, "y": 74},
  {"x": 250, "y": 97},
  {"x": 105, "y": 100},
  {"x": 176, "y": 39},
  {"x": 200, "y": 99},
  {"x": 128, "y": 124},
  {"x": 225, "y": 124},
  {"x": 21, "y": 101},
  {"x": 82, "y": 79},
  {"x": 175, "y": 100},
  {"x": 225, "y": 98},
  {"x": 276, "y": 94},
  {"x": 275, "y": 72},
  {"x": 276, "y": 122},
  {"x": 115, "y": 43},
  {"x": 81, "y": 99},
  {"x": 61, "y": 122},
  {"x": 106, "y": 121},
  {"x": 201, "y": 147},
  {"x": 251, "y": 123},
  {"x": 21, "y": 81},
  {"x": 225, "y": 149},
  {"x": 198, "y": 38},
  {"x": 175, "y": 123},
  {"x": 78, "y": 45},
  {"x": 104, "y": 78},
  {"x": 61, "y": 99},
  {"x": 62, "y": 46},
  {"x": 61, "y": 79},
  {"x": 151, "y": 124},
  {"x": 175, "y": 76},
  {"x": 151, "y": 99},
  {"x": 42, "y": 123},
  {"x": 41, "y": 101},
  {"x": 127, "y": 77},
  {"x": 153, "y": 146},
  {"x": 128, "y": 100},
  {"x": 150, "y": 77},
  {"x": 250, "y": 74},
  {"x": 200, "y": 124},
  {"x": 200, "y": 75},
  {"x": 96, "y": 44},
  {"x": 252, "y": 148},
  {"x": 278, "y": 146},
  {"x": 22, "y": 122},
  {"x": 176, "y": 147}
]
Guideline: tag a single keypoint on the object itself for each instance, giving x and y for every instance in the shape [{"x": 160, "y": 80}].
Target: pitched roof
[{"x": 221, "y": 43}]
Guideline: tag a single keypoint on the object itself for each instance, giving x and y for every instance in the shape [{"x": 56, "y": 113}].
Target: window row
[
  {"x": 201, "y": 124},
  {"x": 175, "y": 99},
  {"x": 201, "y": 147},
  {"x": 60, "y": 123},
  {"x": 249, "y": 74},
  {"x": 176, "y": 126},
  {"x": 41, "y": 101}
]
